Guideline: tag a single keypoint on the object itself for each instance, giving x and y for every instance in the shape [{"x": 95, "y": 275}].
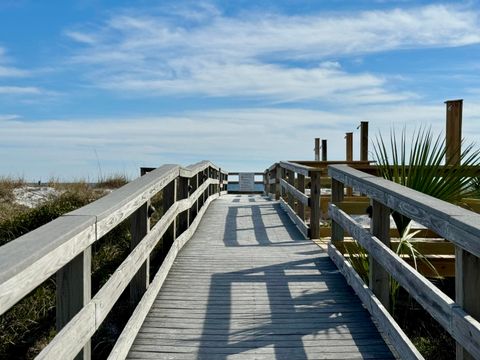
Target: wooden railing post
[
  {"x": 139, "y": 227},
  {"x": 317, "y": 149},
  {"x": 74, "y": 291},
  {"x": 364, "y": 140},
  {"x": 379, "y": 279},
  {"x": 300, "y": 205},
  {"x": 337, "y": 197},
  {"x": 266, "y": 180},
  {"x": 315, "y": 205},
  {"x": 349, "y": 153},
  {"x": 182, "y": 193},
  {"x": 291, "y": 181},
  {"x": 467, "y": 266},
  {"x": 278, "y": 187},
  {"x": 169, "y": 198}
]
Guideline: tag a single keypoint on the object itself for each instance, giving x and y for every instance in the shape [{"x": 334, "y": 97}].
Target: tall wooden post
[
  {"x": 349, "y": 153},
  {"x": 324, "y": 150},
  {"x": 467, "y": 266},
  {"x": 74, "y": 291},
  {"x": 337, "y": 197},
  {"x": 315, "y": 205},
  {"x": 139, "y": 227},
  {"x": 364, "y": 141},
  {"x": 317, "y": 149},
  {"x": 453, "y": 140},
  {"x": 379, "y": 278}
]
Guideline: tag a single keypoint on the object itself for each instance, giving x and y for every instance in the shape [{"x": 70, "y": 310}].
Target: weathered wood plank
[
  {"x": 304, "y": 199},
  {"x": 300, "y": 224},
  {"x": 112, "y": 209},
  {"x": 337, "y": 196},
  {"x": 297, "y": 168},
  {"x": 32, "y": 258},
  {"x": 73, "y": 292},
  {"x": 378, "y": 277}
]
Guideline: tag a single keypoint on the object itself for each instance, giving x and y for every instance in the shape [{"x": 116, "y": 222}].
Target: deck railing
[
  {"x": 297, "y": 185},
  {"x": 64, "y": 247},
  {"x": 455, "y": 224}
]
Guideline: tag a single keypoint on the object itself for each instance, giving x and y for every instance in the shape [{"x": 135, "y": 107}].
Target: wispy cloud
[
  {"x": 20, "y": 90},
  {"x": 5, "y": 117},
  {"x": 227, "y": 137},
  {"x": 257, "y": 54},
  {"x": 8, "y": 71}
]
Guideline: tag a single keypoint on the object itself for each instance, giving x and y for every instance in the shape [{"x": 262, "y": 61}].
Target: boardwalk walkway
[{"x": 249, "y": 286}]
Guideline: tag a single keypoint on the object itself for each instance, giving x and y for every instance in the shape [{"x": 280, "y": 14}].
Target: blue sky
[{"x": 109, "y": 86}]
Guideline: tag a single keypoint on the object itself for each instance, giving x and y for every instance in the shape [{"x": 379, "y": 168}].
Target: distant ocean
[{"x": 235, "y": 187}]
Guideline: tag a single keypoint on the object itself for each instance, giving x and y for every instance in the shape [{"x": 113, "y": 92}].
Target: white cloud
[
  {"x": 236, "y": 139},
  {"x": 6, "y": 117},
  {"x": 80, "y": 37},
  {"x": 252, "y": 55},
  {"x": 20, "y": 90},
  {"x": 9, "y": 71}
]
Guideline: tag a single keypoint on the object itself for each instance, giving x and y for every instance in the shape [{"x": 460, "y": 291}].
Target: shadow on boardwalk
[{"x": 249, "y": 286}]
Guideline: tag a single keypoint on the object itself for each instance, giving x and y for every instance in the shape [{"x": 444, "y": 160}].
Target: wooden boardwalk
[{"x": 249, "y": 286}]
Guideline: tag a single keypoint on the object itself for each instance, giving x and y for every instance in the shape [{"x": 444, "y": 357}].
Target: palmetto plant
[{"x": 422, "y": 167}]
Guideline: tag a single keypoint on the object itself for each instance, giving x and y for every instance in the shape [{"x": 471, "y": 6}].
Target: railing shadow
[{"x": 269, "y": 309}]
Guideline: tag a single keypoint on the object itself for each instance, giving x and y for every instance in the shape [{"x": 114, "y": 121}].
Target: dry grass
[
  {"x": 112, "y": 181},
  {"x": 28, "y": 326}
]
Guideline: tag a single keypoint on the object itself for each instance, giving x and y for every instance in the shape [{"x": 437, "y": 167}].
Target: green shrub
[{"x": 29, "y": 325}]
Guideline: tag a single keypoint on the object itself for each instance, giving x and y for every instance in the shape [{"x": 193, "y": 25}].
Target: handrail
[
  {"x": 458, "y": 225},
  {"x": 455, "y": 224},
  {"x": 29, "y": 260},
  {"x": 294, "y": 179}
]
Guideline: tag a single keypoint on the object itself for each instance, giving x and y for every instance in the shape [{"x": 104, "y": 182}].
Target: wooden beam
[
  {"x": 317, "y": 149},
  {"x": 74, "y": 291},
  {"x": 315, "y": 206},
  {"x": 349, "y": 153},
  {"x": 324, "y": 150},
  {"x": 378, "y": 276},
  {"x": 364, "y": 141},
  {"x": 183, "y": 219},
  {"x": 139, "y": 228},
  {"x": 169, "y": 198},
  {"x": 453, "y": 133},
  {"x": 337, "y": 197},
  {"x": 291, "y": 182},
  {"x": 301, "y": 189},
  {"x": 302, "y": 227},
  {"x": 294, "y": 192},
  {"x": 278, "y": 177}
]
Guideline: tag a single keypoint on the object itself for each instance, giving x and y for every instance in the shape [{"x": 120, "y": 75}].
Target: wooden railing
[
  {"x": 455, "y": 224},
  {"x": 64, "y": 247},
  {"x": 297, "y": 185}
]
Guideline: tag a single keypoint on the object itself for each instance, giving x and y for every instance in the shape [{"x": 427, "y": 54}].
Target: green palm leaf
[{"x": 425, "y": 170}]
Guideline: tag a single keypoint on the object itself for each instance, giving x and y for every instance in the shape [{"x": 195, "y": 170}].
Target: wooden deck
[{"x": 249, "y": 286}]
